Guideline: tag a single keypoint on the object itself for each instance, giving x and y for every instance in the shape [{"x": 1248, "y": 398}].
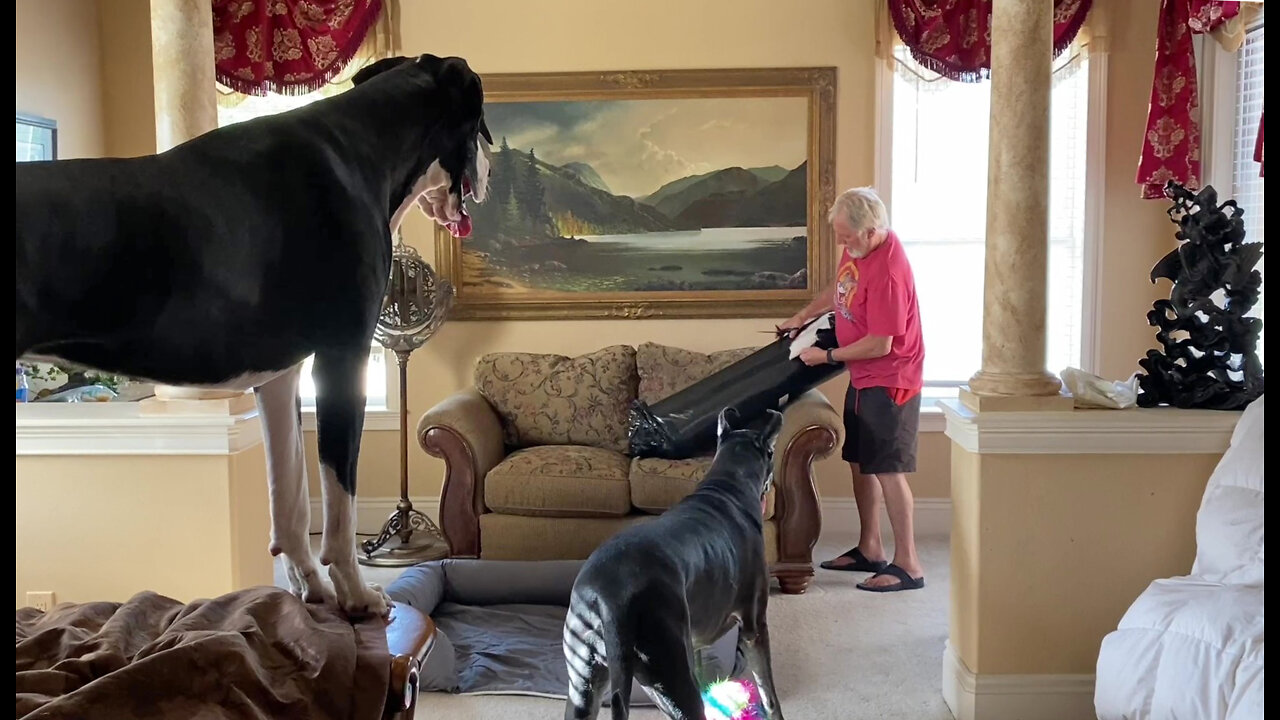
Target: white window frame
[
  {"x": 384, "y": 416},
  {"x": 1216, "y": 69},
  {"x": 931, "y": 418},
  {"x": 1217, "y": 73}
]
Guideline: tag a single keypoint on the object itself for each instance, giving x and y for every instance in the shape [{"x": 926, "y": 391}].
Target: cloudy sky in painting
[{"x": 636, "y": 146}]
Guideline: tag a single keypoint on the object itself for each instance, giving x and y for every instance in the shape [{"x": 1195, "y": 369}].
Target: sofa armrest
[
  {"x": 465, "y": 431},
  {"x": 811, "y": 430}
]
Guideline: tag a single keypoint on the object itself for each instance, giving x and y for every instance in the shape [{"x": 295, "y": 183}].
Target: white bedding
[
  {"x": 1187, "y": 648},
  {"x": 1191, "y": 647}
]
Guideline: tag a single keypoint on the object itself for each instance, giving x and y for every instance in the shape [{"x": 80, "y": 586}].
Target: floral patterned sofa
[{"x": 536, "y": 463}]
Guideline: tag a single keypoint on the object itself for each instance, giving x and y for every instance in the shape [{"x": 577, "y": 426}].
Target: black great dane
[
  {"x": 228, "y": 260},
  {"x": 651, "y": 594}
]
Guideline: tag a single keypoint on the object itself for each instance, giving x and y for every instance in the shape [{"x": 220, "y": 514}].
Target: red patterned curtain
[
  {"x": 953, "y": 37},
  {"x": 288, "y": 47},
  {"x": 1257, "y": 147},
  {"x": 1171, "y": 146}
]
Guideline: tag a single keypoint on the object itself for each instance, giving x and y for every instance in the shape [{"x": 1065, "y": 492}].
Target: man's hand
[
  {"x": 792, "y": 325},
  {"x": 813, "y": 356}
]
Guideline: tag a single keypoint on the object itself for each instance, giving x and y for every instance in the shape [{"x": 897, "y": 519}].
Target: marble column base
[
  {"x": 1032, "y": 384},
  {"x": 1015, "y": 403}
]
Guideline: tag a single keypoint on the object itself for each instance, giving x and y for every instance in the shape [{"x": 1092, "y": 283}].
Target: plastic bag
[
  {"x": 84, "y": 393},
  {"x": 683, "y": 425},
  {"x": 1091, "y": 391}
]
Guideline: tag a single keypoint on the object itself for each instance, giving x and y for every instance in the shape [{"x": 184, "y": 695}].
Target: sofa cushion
[
  {"x": 558, "y": 400},
  {"x": 658, "y": 484},
  {"x": 665, "y": 370},
  {"x": 560, "y": 481}
]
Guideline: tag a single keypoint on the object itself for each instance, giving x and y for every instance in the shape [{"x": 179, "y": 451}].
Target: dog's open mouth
[{"x": 461, "y": 227}]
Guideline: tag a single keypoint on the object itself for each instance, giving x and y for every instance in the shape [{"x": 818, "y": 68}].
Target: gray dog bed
[{"x": 499, "y": 626}]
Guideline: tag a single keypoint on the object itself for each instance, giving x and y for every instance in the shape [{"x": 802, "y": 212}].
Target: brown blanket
[{"x": 256, "y": 653}]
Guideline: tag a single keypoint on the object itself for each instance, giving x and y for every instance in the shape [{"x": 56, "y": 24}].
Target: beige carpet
[{"x": 839, "y": 653}]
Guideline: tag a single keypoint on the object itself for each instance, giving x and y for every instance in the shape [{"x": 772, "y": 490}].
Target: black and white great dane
[
  {"x": 228, "y": 260},
  {"x": 648, "y": 596}
]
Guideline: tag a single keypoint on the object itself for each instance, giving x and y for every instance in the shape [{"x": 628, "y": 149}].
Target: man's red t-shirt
[{"x": 876, "y": 295}]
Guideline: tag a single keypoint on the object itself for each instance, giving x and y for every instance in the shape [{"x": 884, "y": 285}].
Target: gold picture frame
[{"x": 510, "y": 276}]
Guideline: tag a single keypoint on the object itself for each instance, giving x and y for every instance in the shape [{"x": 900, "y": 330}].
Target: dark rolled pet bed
[
  {"x": 683, "y": 425},
  {"x": 499, "y": 626}
]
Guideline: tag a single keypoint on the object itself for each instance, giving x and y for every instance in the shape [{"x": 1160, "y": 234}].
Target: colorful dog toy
[{"x": 732, "y": 700}]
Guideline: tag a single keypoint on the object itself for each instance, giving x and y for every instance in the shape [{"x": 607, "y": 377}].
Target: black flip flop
[
  {"x": 906, "y": 581},
  {"x": 860, "y": 563}
]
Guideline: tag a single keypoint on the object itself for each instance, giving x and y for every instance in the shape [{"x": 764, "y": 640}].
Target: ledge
[
  {"x": 123, "y": 429},
  {"x": 1161, "y": 430},
  {"x": 932, "y": 419}
]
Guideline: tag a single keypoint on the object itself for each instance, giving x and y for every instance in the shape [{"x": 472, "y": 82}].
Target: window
[
  {"x": 1246, "y": 184},
  {"x": 375, "y": 381},
  {"x": 937, "y": 205},
  {"x": 1231, "y": 108},
  {"x": 234, "y": 108}
]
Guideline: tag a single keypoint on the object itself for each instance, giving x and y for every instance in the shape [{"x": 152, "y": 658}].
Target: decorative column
[
  {"x": 1017, "y": 250},
  {"x": 182, "y": 69},
  {"x": 185, "y": 102}
]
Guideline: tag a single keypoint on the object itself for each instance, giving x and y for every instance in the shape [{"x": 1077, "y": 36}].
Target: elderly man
[{"x": 878, "y": 329}]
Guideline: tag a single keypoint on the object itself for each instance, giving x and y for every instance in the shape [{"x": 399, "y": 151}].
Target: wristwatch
[{"x": 831, "y": 360}]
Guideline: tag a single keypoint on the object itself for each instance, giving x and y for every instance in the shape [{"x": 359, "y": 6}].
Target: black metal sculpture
[{"x": 1210, "y": 357}]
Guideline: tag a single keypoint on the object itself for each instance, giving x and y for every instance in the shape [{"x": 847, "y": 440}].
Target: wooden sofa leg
[
  {"x": 794, "y": 582},
  {"x": 798, "y": 516}
]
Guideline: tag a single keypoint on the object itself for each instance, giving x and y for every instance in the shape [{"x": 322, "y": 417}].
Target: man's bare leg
[
  {"x": 867, "y": 494},
  {"x": 901, "y": 506}
]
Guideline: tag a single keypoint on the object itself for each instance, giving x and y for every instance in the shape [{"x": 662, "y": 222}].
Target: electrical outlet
[{"x": 42, "y": 600}]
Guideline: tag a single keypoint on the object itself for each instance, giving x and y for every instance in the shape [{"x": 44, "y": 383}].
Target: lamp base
[
  {"x": 408, "y": 537},
  {"x": 420, "y": 549}
]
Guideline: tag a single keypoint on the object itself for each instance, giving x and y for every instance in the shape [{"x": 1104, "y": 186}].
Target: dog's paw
[
  {"x": 306, "y": 584},
  {"x": 366, "y": 601},
  {"x": 317, "y": 593}
]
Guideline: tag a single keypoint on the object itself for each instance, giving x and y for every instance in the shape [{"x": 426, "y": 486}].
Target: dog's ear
[
  {"x": 377, "y": 68},
  {"x": 727, "y": 422},
  {"x": 771, "y": 428},
  {"x": 484, "y": 131}
]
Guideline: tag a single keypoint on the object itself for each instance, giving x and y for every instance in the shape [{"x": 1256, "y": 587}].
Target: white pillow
[{"x": 1229, "y": 524}]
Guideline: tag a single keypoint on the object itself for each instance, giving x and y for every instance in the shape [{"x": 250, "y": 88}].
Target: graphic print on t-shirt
[{"x": 846, "y": 286}]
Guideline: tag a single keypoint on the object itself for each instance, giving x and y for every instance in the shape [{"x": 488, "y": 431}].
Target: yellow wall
[
  {"x": 128, "y": 108},
  {"x": 1078, "y": 537},
  {"x": 1135, "y": 232},
  {"x": 589, "y": 35},
  {"x": 57, "y": 71},
  {"x": 105, "y": 527}
]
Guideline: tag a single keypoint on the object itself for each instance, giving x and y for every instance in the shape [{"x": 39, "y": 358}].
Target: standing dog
[
  {"x": 652, "y": 593},
  {"x": 228, "y": 260}
]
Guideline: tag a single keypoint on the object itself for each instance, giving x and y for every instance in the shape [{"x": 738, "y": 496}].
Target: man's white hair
[{"x": 861, "y": 208}]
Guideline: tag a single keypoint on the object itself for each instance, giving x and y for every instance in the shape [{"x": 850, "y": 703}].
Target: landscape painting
[{"x": 681, "y": 193}]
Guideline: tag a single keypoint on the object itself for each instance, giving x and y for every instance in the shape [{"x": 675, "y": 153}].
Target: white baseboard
[
  {"x": 1014, "y": 697},
  {"x": 372, "y": 512},
  {"x": 932, "y": 517}
]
